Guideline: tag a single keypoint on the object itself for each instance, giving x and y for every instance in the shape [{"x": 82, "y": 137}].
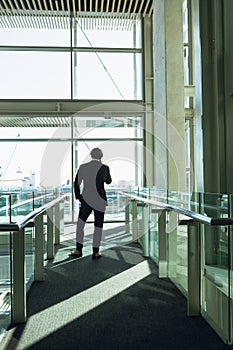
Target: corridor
[{"x": 116, "y": 302}]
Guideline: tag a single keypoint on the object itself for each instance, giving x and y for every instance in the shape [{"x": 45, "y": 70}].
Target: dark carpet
[{"x": 113, "y": 303}]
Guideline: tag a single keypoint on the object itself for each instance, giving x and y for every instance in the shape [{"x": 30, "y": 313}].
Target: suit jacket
[{"x": 92, "y": 176}]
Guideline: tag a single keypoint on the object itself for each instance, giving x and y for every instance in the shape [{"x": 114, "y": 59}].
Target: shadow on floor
[{"x": 116, "y": 302}]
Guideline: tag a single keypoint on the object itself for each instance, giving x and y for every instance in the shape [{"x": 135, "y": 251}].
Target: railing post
[
  {"x": 145, "y": 228},
  {"x": 172, "y": 243},
  {"x": 59, "y": 221},
  {"x": 194, "y": 269},
  {"x": 50, "y": 233},
  {"x": 19, "y": 288},
  {"x": 134, "y": 219},
  {"x": 162, "y": 244},
  {"x": 127, "y": 207},
  {"x": 153, "y": 233},
  {"x": 39, "y": 248},
  {"x": 62, "y": 213}
]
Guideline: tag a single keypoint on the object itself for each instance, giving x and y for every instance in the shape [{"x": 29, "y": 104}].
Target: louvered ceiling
[
  {"x": 41, "y": 13},
  {"x": 61, "y": 122},
  {"x": 35, "y": 122}
]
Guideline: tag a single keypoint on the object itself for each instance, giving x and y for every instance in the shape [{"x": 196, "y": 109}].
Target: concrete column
[
  {"x": 169, "y": 94},
  {"x": 228, "y": 92},
  {"x": 148, "y": 137}
]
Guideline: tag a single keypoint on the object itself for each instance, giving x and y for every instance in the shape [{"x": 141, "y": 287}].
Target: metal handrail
[
  {"x": 204, "y": 219},
  {"x": 20, "y": 204},
  {"x": 207, "y": 206},
  {"x": 23, "y": 222}
]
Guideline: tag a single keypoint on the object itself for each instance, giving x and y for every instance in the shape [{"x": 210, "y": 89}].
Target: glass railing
[
  {"x": 5, "y": 280},
  {"x": 15, "y": 205},
  {"x": 166, "y": 234},
  {"x": 19, "y": 250},
  {"x": 214, "y": 253}
]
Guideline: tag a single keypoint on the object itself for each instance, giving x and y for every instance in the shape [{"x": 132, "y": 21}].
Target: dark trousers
[{"x": 84, "y": 212}]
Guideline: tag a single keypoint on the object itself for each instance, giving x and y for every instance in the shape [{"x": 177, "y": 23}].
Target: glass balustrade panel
[
  {"x": 4, "y": 208},
  {"x": 215, "y": 287},
  {"x": 5, "y": 280},
  {"x": 29, "y": 254}
]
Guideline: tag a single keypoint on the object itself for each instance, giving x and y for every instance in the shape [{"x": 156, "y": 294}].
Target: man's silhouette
[{"x": 92, "y": 175}]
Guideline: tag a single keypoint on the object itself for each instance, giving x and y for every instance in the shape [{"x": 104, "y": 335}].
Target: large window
[
  {"x": 101, "y": 75},
  {"x": 88, "y": 60},
  {"x": 44, "y": 153},
  {"x": 35, "y": 75}
]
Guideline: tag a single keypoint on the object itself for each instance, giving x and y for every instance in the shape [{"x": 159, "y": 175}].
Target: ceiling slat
[
  {"x": 48, "y": 17},
  {"x": 64, "y": 14},
  {"x": 146, "y": 7},
  {"x": 10, "y": 17},
  {"x": 36, "y": 14},
  {"x": 43, "y": 19},
  {"x": 4, "y": 16},
  {"x": 14, "y": 13},
  {"x": 111, "y": 20},
  {"x": 26, "y": 14},
  {"x": 57, "y": 13},
  {"x": 118, "y": 10},
  {"x": 151, "y": 9},
  {"x": 140, "y": 8},
  {"x": 123, "y": 14}
]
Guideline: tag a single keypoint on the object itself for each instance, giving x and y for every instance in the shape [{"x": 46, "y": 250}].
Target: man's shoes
[
  {"x": 76, "y": 254},
  {"x": 96, "y": 256}
]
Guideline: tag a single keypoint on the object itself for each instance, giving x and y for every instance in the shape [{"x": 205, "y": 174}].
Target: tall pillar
[
  {"x": 169, "y": 94},
  {"x": 228, "y": 94},
  {"x": 148, "y": 136}
]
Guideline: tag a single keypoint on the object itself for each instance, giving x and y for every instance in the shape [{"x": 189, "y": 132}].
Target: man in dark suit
[{"x": 92, "y": 175}]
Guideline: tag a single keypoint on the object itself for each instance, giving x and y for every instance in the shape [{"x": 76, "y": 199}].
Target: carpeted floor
[{"x": 114, "y": 303}]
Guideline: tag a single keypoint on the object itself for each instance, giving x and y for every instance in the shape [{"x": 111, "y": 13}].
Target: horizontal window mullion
[
  {"x": 35, "y": 48},
  {"x": 67, "y": 49},
  {"x": 108, "y": 50},
  {"x": 70, "y": 139}
]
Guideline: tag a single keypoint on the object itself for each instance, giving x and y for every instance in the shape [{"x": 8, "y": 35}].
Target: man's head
[{"x": 96, "y": 153}]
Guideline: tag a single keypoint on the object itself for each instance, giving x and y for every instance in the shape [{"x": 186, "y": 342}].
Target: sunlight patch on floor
[{"x": 58, "y": 316}]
